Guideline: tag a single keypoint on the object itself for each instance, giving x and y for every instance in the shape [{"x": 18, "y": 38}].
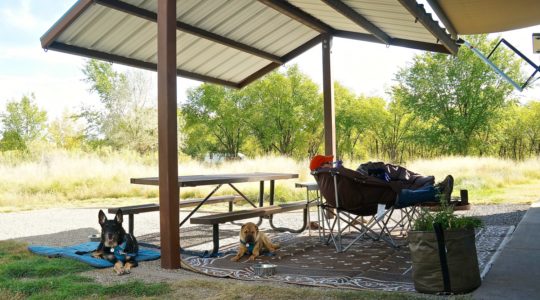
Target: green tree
[
  {"x": 360, "y": 122},
  {"x": 23, "y": 123},
  {"x": 510, "y": 133},
  {"x": 395, "y": 129},
  {"x": 285, "y": 113},
  {"x": 65, "y": 133},
  {"x": 124, "y": 118},
  {"x": 214, "y": 121},
  {"x": 531, "y": 126},
  {"x": 459, "y": 97}
]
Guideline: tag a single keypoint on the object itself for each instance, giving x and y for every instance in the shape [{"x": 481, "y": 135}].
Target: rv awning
[
  {"x": 486, "y": 16},
  {"x": 234, "y": 42}
]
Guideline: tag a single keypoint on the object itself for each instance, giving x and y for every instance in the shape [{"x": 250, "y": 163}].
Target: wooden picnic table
[
  {"x": 224, "y": 179},
  {"x": 230, "y": 179},
  {"x": 221, "y": 179}
]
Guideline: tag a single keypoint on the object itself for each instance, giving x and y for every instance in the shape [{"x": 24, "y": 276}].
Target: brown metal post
[
  {"x": 168, "y": 141},
  {"x": 328, "y": 94}
]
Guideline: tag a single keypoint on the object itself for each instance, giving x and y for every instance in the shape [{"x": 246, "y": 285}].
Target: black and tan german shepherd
[{"x": 116, "y": 245}]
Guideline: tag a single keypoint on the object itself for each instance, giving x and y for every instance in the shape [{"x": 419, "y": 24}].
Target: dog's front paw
[
  {"x": 235, "y": 258},
  {"x": 119, "y": 268},
  {"x": 97, "y": 254},
  {"x": 252, "y": 257}
]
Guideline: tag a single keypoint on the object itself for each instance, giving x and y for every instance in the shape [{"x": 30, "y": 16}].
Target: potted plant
[{"x": 448, "y": 263}]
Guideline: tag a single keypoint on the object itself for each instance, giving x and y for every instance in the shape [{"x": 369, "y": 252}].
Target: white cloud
[
  {"x": 19, "y": 17},
  {"x": 53, "y": 94}
]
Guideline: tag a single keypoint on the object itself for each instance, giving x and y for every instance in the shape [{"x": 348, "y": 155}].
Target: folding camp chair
[{"x": 352, "y": 201}]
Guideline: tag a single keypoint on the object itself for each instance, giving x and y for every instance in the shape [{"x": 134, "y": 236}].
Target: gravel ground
[{"x": 62, "y": 227}]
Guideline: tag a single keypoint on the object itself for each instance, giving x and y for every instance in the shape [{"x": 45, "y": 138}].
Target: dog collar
[
  {"x": 120, "y": 253},
  {"x": 249, "y": 246}
]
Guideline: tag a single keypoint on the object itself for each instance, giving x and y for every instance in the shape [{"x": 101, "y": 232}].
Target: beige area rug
[{"x": 306, "y": 260}]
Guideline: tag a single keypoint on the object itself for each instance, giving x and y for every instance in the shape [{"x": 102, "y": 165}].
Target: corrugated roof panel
[
  {"x": 252, "y": 65},
  {"x": 257, "y": 28},
  {"x": 190, "y": 50},
  {"x": 264, "y": 38},
  {"x": 123, "y": 26},
  {"x": 229, "y": 18},
  {"x": 278, "y": 39},
  {"x": 142, "y": 35},
  {"x": 391, "y": 18},
  {"x": 98, "y": 28},
  {"x": 235, "y": 64},
  {"x": 201, "y": 62},
  {"x": 385, "y": 14},
  {"x": 204, "y": 9},
  {"x": 142, "y": 49},
  {"x": 241, "y": 25},
  {"x": 89, "y": 18},
  {"x": 113, "y": 31},
  {"x": 291, "y": 40},
  {"x": 328, "y": 15},
  {"x": 230, "y": 59}
]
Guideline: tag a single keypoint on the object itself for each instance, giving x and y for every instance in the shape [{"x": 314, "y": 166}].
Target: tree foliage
[
  {"x": 458, "y": 97},
  {"x": 124, "y": 118},
  {"x": 440, "y": 105},
  {"x": 285, "y": 113},
  {"x": 23, "y": 123},
  {"x": 214, "y": 121},
  {"x": 65, "y": 133}
]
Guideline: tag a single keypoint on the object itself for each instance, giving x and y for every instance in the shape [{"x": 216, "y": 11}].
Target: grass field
[
  {"x": 27, "y": 276},
  {"x": 75, "y": 179},
  {"x": 24, "y": 275},
  {"x": 80, "y": 179}
]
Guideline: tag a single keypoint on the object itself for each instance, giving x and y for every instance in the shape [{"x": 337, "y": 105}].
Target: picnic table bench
[
  {"x": 264, "y": 212},
  {"x": 132, "y": 210},
  {"x": 219, "y": 180}
]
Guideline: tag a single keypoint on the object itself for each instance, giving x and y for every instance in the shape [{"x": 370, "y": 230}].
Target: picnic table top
[{"x": 198, "y": 180}]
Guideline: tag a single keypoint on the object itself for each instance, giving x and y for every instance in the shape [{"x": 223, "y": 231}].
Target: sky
[{"x": 57, "y": 82}]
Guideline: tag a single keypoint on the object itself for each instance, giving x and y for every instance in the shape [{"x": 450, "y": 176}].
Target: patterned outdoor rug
[{"x": 367, "y": 265}]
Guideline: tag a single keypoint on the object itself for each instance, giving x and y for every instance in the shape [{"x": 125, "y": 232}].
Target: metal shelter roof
[{"x": 234, "y": 42}]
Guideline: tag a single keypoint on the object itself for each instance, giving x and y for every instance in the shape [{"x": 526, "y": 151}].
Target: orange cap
[{"x": 318, "y": 160}]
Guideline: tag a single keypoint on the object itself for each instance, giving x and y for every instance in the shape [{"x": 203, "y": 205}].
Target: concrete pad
[
  {"x": 516, "y": 272},
  {"x": 525, "y": 238}
]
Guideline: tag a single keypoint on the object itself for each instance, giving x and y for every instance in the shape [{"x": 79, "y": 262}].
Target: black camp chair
[{"x": 354, "y": 199}]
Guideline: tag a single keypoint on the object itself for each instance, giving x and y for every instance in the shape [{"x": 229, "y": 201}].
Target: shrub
[{"x": 446, "y": 217}]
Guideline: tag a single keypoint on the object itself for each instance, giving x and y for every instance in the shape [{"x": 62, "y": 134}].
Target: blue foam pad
[{"x": 83, "y": 252}]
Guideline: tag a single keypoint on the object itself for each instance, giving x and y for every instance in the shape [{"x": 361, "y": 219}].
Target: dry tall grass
[{"x": 80, "y": 179}]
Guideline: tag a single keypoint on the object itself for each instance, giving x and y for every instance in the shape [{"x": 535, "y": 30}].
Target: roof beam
[
  {"x": 357, "y": 18},
  {"x": 419, "y": 12},
  {"x": 287, "y": 57},
  {"x": 133, "y": 62},
  {"x": 434, "y": 4},
  {"x": 152, "y": 16},
  {"x": 395, "y": 41},
  {"x": 303, "y": 48},
  {"x": 299, "y": 15}
]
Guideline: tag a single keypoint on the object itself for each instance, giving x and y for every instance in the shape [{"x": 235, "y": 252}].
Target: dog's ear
[
  {"x": 119, "y": 216},
  {"x": 102, "y": 217}
]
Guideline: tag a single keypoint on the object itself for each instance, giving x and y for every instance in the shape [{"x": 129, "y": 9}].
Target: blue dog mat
[{"x": 83, "y": 252}]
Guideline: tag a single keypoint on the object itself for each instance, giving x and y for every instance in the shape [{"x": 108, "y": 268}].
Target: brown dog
[{"x": 253, "y": 241}]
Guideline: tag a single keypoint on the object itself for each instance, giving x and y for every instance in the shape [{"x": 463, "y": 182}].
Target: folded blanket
[{"x": 83, "y": 252}]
